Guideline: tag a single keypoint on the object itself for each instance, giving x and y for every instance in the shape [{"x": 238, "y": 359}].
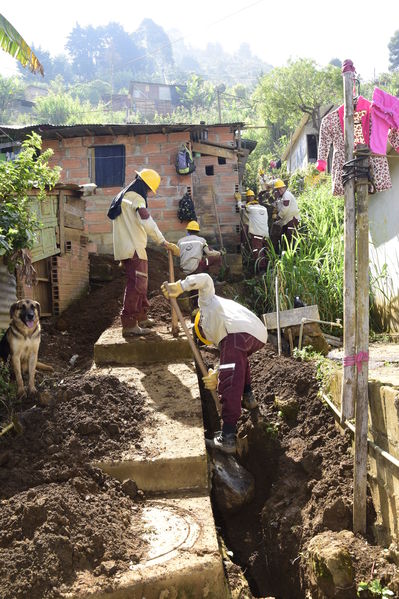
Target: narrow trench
[{"x": 242, "y": 531}]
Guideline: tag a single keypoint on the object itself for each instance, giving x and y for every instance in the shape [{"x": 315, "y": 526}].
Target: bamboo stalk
[
  {"x": 348, "y": 393},
  {"x": 362, "y": 348},
  {"x": 175, "y": 323},
  {"x": 194, "y": 349}
]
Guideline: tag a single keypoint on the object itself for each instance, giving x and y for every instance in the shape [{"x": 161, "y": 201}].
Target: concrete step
[
  {"x": 182, "y": 558},
  {"x": 158, "y": 346},
  {"x": 172, "y": 455}
]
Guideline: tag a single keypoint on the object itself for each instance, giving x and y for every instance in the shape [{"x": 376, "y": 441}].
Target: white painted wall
[{"x": 384, "y": 238}]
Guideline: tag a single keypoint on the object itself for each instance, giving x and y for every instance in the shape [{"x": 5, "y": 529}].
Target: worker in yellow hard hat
[
  {"x": 196, "y": 256},
  {"x": 288, "y": 216},
  {"x": 237, "y": 333},
  {"x": 131, "y": 224},
  {"x": 256, "y": 215}
]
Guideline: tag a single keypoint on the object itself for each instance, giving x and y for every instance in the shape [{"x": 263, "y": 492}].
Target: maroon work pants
[
  {"x": 135, "y": 302},
  {"x": 234, "y": 373}
]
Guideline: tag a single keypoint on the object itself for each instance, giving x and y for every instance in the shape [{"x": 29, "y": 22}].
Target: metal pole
[
  {"x": 278, "y": 319},
  {"x": 348, "y": 393},
  {"x": 362, "y": 348}
]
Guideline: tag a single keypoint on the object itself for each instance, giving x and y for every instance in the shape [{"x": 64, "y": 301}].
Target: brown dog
[{"x": 21, "y": 342}]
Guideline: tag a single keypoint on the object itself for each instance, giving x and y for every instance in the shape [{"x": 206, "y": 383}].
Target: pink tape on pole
[
  {"x": 357, "y": 360},
  {"x": 347, "y": 66}
]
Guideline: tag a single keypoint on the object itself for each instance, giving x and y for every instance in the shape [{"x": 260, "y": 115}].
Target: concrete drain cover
[{"x": 168, "y": 530}]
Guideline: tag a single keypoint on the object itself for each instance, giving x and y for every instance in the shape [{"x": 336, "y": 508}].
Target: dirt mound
[
  {"x": 51, "y": 532},
  {"x": 303, "y": 470},
  {"x": 89, "y": 418}
]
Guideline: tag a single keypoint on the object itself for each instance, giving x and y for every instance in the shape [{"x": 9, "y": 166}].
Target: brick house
[{"x": 82, "y": 151}]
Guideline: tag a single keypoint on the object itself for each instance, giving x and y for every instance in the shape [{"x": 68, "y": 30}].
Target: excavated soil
[
  {"x": 64, "y": 523},
  {"x": 303, "y": 471}
]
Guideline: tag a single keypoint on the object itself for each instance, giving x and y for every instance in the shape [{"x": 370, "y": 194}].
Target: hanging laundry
[
  {"x": 332, "y": 132},
  {"x": 384, "y": 116}
]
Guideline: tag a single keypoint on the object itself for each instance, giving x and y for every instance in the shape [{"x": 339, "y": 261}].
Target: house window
[
  {"x": 221, "y": 160},
  {"x": 209, "y": 170},
  {"x": 312, "y": 147},
  {"x": 109, "y": 166}
]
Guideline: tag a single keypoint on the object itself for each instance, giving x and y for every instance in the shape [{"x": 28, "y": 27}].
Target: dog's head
[{"x": 27, "y": 311}]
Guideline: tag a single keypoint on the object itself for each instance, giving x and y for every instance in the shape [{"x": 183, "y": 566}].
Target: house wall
[
  {"x": 384, "y": 248},
  {"x": 156, "y": 151},
  {"x": 298, "y": 156}
]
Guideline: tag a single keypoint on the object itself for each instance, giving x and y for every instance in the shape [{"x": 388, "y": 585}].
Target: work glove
[
  {"x": 172, "y": 247},
  {"x": 211, "y": 380},
  {"x": 237, "y": 196},
  {"x": 172, "y": 289}
]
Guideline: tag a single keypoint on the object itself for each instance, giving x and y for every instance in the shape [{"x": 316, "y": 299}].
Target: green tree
[
  {"x": 29, "y": 170},
  {"x": 10, "y": 89},
  {"x": 154, "y": 42},
  {"x": 61, "y": 109},
  {"x": 393, "y": 48},
  {"x": 287, "y": 93}
]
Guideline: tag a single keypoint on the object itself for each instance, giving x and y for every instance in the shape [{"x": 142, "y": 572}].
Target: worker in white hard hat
[
  {"x": 131, "y": 225},
  {"x": 238, "y": 333},
  {"x": 196, "y": 256},
  {"x": 288, "y": 216},
  {"x": 258, "y": 221}
]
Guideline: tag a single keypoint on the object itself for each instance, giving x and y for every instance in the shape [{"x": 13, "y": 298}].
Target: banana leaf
[{"x": 12, "y": 42}]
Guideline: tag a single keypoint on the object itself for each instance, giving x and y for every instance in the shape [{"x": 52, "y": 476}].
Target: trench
[{"x": 302, "y": 468}]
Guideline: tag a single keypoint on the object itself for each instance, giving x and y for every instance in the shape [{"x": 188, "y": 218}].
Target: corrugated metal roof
[{"x": 47, "y": 131}]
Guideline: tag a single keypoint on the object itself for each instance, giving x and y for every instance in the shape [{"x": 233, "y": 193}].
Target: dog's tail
[{"x": 45, "y": 367}]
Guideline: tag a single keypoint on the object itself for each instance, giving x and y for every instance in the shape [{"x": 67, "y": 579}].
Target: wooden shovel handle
[
  {"x": 194, "y": 349},
  {"x": 175, "y": 323}
]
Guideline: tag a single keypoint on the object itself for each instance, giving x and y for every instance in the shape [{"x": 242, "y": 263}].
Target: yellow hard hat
[
  {"x": 196, "y": 328},
  {"x": 193, "y": 226},
  {"x": 279, "y": 183},
  {"x": 261, "y": 171},
  {"x": 150, "y": 177},
  {"x": 249, "y": 193}
]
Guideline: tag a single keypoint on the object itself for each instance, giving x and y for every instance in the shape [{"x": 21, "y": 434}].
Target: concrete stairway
[{"x": 183, "y": 558}]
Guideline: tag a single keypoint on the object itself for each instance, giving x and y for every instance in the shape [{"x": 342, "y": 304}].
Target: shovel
[
  {"x": 194, "y": 349},
  {"x": 14, "y": 424}
]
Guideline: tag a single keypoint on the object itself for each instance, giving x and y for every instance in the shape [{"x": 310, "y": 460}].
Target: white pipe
[
  {"x": 278, "y": 319},
  {"x": 351, "y": 427},
  {"x": 333, "y": 324}
]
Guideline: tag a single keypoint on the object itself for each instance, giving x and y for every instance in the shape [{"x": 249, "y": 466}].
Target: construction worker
[
  {"x": 257, "y": 217},
  {"x": 288, "y": 216},
  {"x": 131, "y": 225},
  {"x": 238, "y": 333},
  {"x": 192, "y": 249}
]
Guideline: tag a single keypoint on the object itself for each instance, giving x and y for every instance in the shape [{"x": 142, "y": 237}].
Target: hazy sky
[{"x": 276, "y": 30}]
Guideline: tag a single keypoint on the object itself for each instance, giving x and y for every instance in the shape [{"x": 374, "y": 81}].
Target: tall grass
[{"x": 312, "y": 267}]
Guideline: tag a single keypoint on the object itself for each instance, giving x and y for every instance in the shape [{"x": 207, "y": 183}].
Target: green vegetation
[
  {"x": 30, "y": 170},
  {"x": 312, "y": 267},
  {"x": 373, "y": 589}
]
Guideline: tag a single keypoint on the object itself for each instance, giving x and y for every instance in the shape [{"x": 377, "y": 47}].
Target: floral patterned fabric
[{"x": 331, "y": 133}]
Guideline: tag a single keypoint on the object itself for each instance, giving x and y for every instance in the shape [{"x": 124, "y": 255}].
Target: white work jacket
[
  {"x": 192, "y": 248},
  {"x": 130, "y": 231},
  {"x": 221, "y": 316},
  {"x": 287, "y": 208},
  {"x": 257, "y": 218}
]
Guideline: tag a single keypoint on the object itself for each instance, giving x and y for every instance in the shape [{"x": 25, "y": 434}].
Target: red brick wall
[{"x": 156, "y": 151}]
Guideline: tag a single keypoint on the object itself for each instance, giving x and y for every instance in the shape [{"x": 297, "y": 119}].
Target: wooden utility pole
[
  {"x": 349, "y": 371},
  {"x": 362, "y": 345}
]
